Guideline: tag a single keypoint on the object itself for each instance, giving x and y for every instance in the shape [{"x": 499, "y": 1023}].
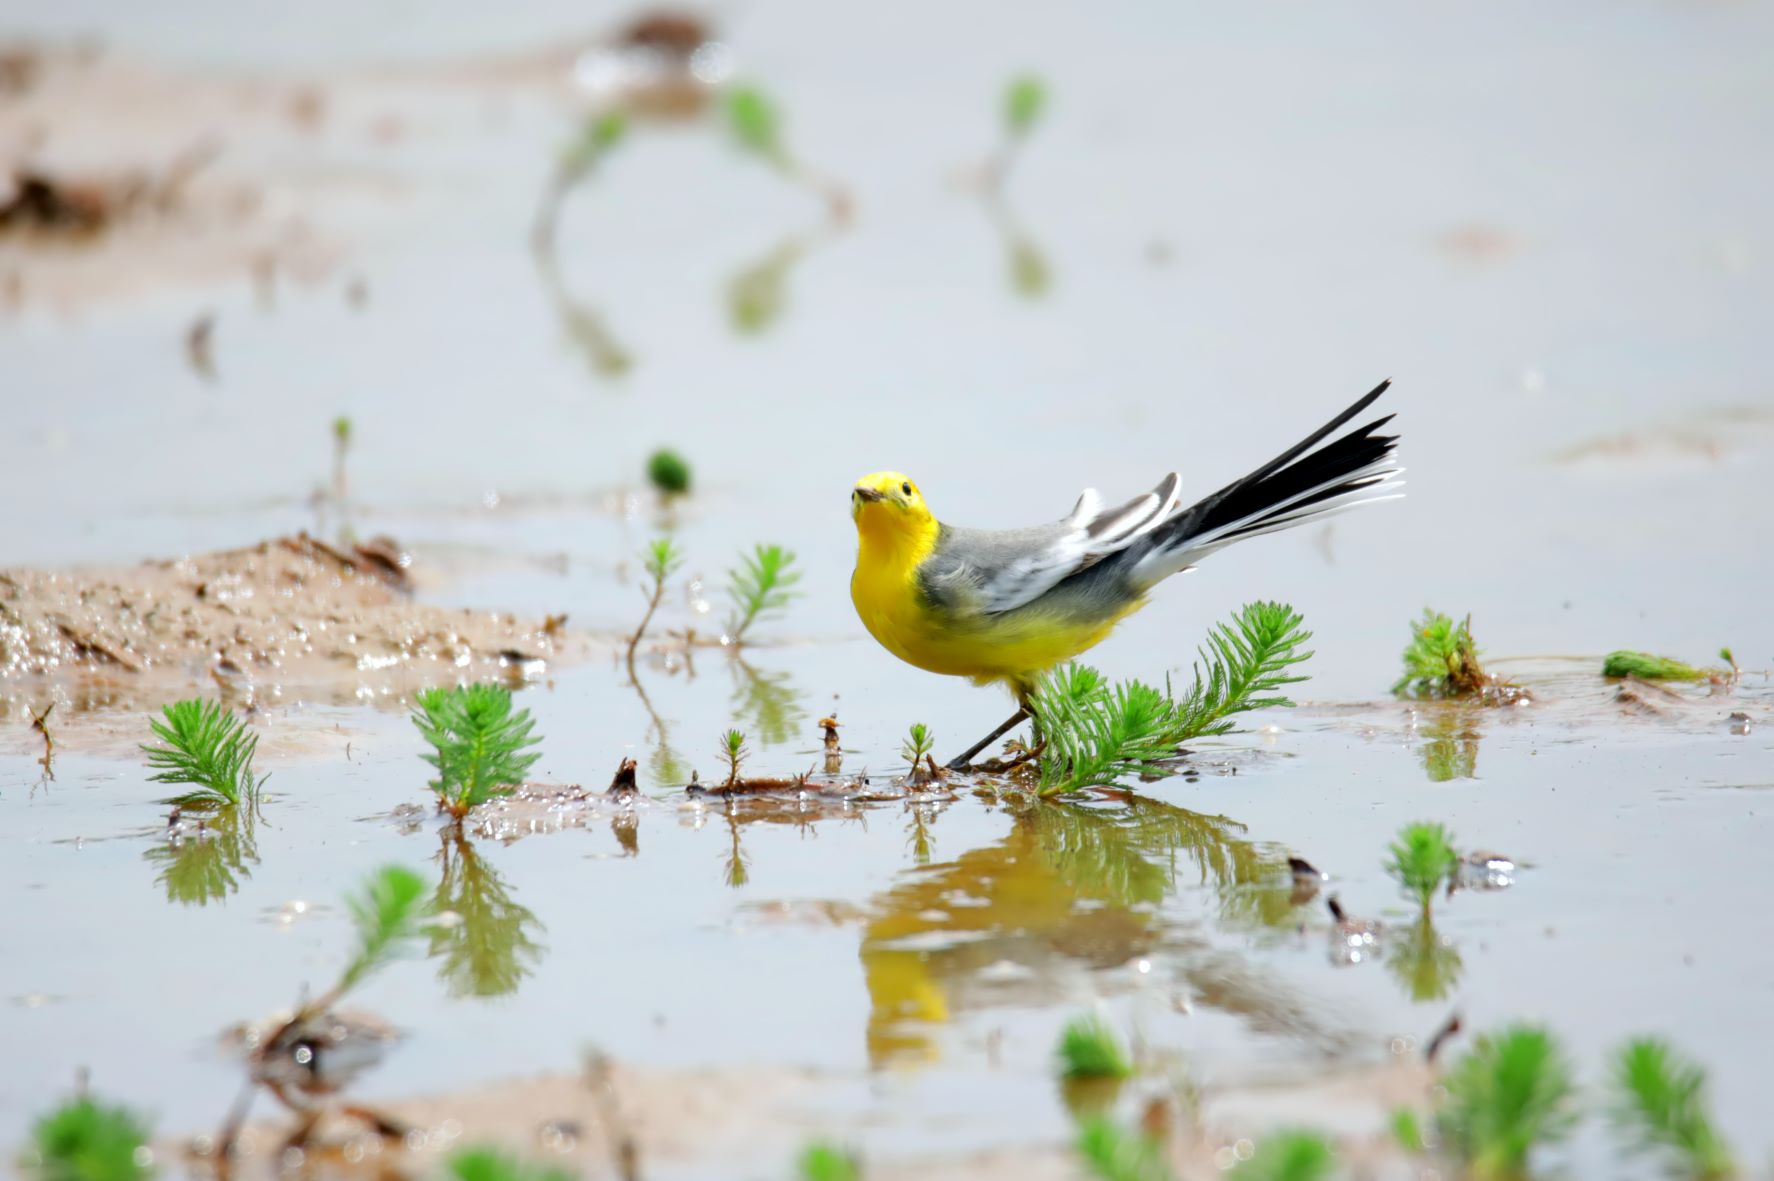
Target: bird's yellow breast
[{"x": 1016, "y": 646}]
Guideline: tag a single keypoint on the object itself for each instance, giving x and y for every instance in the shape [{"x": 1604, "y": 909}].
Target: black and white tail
[{"x": 1299, "y": 485}]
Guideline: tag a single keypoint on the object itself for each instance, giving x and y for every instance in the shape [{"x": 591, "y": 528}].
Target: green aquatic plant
[
  {"x": 756, "y": 124},
  {"x": 1096, "y": 733},
  {"x": 387, "y": 915},
  {"x": 207, "y": 748},
  {"x": 762, "y": 584},
  {"x": 595, "y": 140},
  {"x": 479, "y": 746},
  {"x": 488, "y": 947},
  {"x": 1423, "y": 858},
  {"x": 1025, "y": 98},
  {"x": 668, "y": 472},
  {"x": 1113, "y": 1153},
  {"x": 918, "y": 743},
  {"x": 825, "y": 1161},
  {"x": 1509, "y": 1095},
  {"x": 733, "y": 752},
  {"x": 757, "y": 295},
  {"x": 1659, "y": 1102},
  {"x": 660, "y": 560},
  {"x": 1646, "y": 667},
  {"x": 483, "y": 1163},
  {"x": 86, "y": 1140},
  {"x": 1442, "y": 659},
  {"x": 197, "y": 868},
  {"x": 1288, "y": 1156},
  {"x": 1088, "y": 1048}
]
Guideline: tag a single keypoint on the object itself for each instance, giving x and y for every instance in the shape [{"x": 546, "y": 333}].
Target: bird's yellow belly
[{"x": 1012, "y": 647}]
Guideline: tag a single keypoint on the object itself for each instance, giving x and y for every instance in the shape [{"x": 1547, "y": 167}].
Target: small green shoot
[
  {"x": 733, "y": 752},
  {"x": 1660, "y": 1103},
  {"x": 1509, "y": 1095},
  {"x": 341, "y": 448},
  {"x": 668, "y": 472},
  {"x": 1407, "y": 1130},
  {"x": 478, "y": 745},
  {"x": 825, "y": 1161},
  {"x": 592, "y": 144},
  {"x": 918, "y": 743},
  {"x": 660, "y": 560},
  {"x": 1423, "y": 858},
  {"x": 387, "y": 914},
  {"x": 1089, "y": 1049},
  {"x": 757, "y": 124},
  {"x": 493, "y": 1164},
  {"x": 1441, "y": 660},
  {"x": 762, "y": 584},
  {"x": 1646, "y": 667},
  {"x": 1025, "y": 98},
  {"x": 208, "y": 748},
  {"x": 85, "y": 1140},
  {"x": 1096, "y": 733},
  {"x": 1113, "y": 1153},
  {"x": 1288, "y": 1156}
]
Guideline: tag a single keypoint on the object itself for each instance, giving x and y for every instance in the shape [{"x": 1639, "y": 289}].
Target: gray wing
[{"x": 1001, "y": 571}]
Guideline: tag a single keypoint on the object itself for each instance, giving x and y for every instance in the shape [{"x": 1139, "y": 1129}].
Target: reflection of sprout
[
  {"x": 85, "y": 1140},
  {"x": 207, "y": 748},
  {"x": 1096, "y": 733},
  {"x": 1088, "y": 1048},
  {"x": 1511, "y": 1093},
  {"x": 738, "y": 870},
  {"x": 478, "y": 745},
  {"x": 823, "y": 1161},
  {"x": 1288, "y": 1156},
  {"x": 1113, "y": 1153},
  {"x": 205, "y": 866},
  {"x": 668, "y": 472},
  {"x": 486, "y": 950},
  {"x": 766, "y": 701},
  {"x": 1451, "y": 751},
  {"x": 757, "y": 295},
  {"x": 762, "y": 584},
  {"x": 1423, "y": 858},
  {"x": 1660, "y": 1103},
  {"x": 1426, "y": 965}
]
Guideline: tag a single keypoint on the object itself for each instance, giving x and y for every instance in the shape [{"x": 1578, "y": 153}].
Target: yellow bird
[{"x": 1007, "y": 605}]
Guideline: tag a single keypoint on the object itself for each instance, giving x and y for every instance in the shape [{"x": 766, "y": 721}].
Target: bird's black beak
[{"x": 867, "y": 494}]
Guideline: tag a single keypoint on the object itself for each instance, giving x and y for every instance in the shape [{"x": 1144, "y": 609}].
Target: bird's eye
[{"x": 906, "y": 487}]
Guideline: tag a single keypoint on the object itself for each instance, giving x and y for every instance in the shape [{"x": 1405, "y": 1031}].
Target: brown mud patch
[{"x": 285, "y": 619}]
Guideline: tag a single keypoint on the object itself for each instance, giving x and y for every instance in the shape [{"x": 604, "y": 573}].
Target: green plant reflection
[
  {"x": 766, "y": 702},
  {"x": 1425, "y": 965},
  {"x": 488, "y": 946},
  {"x": 206, "y": 863},
  {"x": 1450, "y": 747}
]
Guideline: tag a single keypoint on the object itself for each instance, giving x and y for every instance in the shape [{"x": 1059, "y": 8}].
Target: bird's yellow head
[{"x": 889, "y": 509}]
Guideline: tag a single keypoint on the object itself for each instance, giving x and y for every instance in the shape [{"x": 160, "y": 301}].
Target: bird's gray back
[{"x": 955, "y": 575}]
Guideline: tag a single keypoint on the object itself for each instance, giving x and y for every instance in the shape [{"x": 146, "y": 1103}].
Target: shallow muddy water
[{"x": 1545, "y": 226}]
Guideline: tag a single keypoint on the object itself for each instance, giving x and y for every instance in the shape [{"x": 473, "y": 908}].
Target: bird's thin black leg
[{"x": 961, "y": 761}]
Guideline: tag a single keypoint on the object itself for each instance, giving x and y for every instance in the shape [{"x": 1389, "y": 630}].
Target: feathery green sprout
[
  {"x": 762, "y": 584},
  {"x": 1423, "y": 857},
  {"x": 86, "y": 1140},
  {"x": 757, "y": 124},
  {"x": 493, "y": 1164},
  {"x": 478, "y": 745},
  {"x": 1113, "y": 1153},
  {"x": 825, "y": 1161},
  {"x": 918, "y": 743},
  {"x": 1288, "y": 1156},
  {"x": 1646, "y": 667},
  {"x": 660, "y": 560},
  {"x": 1025, "y": 98},
  {"x": 1088, "y": 1048},
  {"x": 1660, "y": 1103},
  {"x": 1441, "y": 660},
  {"x": 592, "y": 144},
  {"x": 733, "y": 752},
  {"x": 208, "y": 748},
  {"x": 1097, "y": 733},
  {"x": 668, "y": 472},
  {"x": 1511, "y": 1093},
  {"x": 387, "y": 913}
]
